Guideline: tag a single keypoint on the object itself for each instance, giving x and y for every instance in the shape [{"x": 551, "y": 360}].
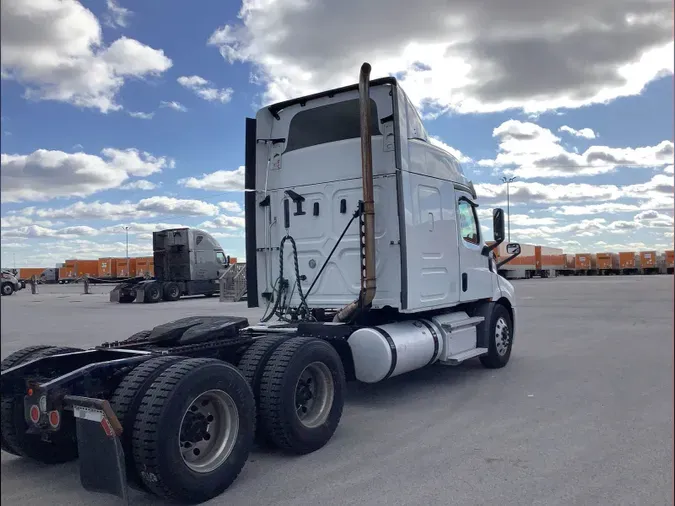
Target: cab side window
[
  {"x": 468, "y": 224},
  {"x": 220, "y": 256}
]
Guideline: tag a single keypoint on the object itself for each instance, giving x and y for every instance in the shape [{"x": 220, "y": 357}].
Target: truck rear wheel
[
  {"x": 252, "y": 366},
  {"x": 194, "y": 430},
  {"x": 152, "y": 292},
  {"x": 302, "y": 394},
  {"x": 500, "y": 339},
  {"x": 62, "y": 447},
  {"x": 127, "y": 398},
  {"x": 171, "y": 291}
]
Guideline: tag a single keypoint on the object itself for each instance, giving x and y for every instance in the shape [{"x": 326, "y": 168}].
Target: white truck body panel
[{"x": 313, "y": 149}]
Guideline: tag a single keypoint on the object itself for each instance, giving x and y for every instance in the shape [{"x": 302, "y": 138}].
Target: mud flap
[
  {"x": 102, "y": 466},
  {"x": 115, "y": 294}
]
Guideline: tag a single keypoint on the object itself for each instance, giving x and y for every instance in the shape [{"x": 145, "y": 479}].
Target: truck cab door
[{"x": 476, "y": 278}]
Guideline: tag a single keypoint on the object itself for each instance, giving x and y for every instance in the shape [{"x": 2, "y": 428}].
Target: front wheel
[
  {"x": 500, "y": 339},
  {"x": 302, "y": 395},
  {"x": 7, "y": 289}
]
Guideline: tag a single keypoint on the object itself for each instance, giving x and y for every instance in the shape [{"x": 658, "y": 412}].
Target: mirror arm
[{"x": 507, "y": 260}]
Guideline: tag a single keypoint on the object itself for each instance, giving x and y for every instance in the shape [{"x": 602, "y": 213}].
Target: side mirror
[
  {"x": 513, "y": 248},
  {"x": 498, "y": 224}
]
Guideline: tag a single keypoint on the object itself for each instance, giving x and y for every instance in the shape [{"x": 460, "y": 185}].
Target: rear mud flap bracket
[{"x": 101, "y": 456}]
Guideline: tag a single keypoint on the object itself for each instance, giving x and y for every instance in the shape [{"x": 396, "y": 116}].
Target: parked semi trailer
[
  {"x": 534, "y": 260},
  {"x": 629, "y": 262},
  {"x": 607, "y": 263},
  {"x": 669, "y": 261},
  {"x": 187, "y": 261},
  {"x": 648, "y": 262},
  {"x": 174, "y": 410}
]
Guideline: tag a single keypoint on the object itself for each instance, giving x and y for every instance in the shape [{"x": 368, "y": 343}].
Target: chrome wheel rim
[
  {"x": 502, "y": 337},
  {"x": 314, "y": 394},
  {"x": 7, "y": 289},
  {"x": 208, "y": 431}
]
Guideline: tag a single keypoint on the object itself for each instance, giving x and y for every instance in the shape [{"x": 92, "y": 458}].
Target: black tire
[
  {"x": 156, "y": 449},
  {"x": 494, "y": 359},
  {"x": 127, "y": 398},
  {"x": 252, "y": 366},
  {"x": 277, "y": 408},
  {"x": 153, "y": 293},
  {"x": 138, "y": 336},
  {"x": 63, "y": 444},
  {"x": 7, "y": 289},
  {"x": 171, "y": 291}
]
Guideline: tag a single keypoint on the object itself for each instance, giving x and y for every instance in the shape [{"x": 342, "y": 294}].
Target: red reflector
[
  {"x": 34, "y": 413},
  {"x": 54, "y": 418},
  {"x": 107, "y": 427}
]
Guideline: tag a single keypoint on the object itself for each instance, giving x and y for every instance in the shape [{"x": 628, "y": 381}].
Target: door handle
[
  {"x": 431, "y": 222},
  {"x": 465, "y": 281}
]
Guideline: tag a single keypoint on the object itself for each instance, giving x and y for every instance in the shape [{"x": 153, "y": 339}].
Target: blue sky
[{"x": 131, "y": 114}]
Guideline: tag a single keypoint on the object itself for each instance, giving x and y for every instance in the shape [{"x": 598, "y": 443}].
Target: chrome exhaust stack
[{"x": 368, "y": 277}]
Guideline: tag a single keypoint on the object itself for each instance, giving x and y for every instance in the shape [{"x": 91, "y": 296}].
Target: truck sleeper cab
[{"x": 370, "y": 273}]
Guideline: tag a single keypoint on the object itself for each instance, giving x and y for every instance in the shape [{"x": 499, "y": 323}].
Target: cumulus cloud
[
  {"x": 536, "y": 152},
  {"x": 21, "y": 221},
  {"x": 205, "y": 89},
  {"x": 140, "y": 184},
  {"x": 145, "y": 208},
  {"x": 222, "y": 180},
  {"x": 231, "y": 207},
  {"x": 46, "y": 174},
  {"x": 438, "y": 142},
  {"x": 36, "y": 231},
  {"x": 536, "y": 57},
  {"x": 176, "y": 106},
  {"x": 116, "y": 16},
  {"x": 586, "y": 133},
  {"x": 141, "y": 115},
  {"x": 226, "y": 222},
  {"x": 56, "y": 50}
]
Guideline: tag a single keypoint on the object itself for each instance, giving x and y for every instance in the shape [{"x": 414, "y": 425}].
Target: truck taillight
[
  {"x": 34, "y": 414},
  {"x": 54, "y": 419}
]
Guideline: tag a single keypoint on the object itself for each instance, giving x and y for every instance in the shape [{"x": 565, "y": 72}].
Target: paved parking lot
[{"x": 583, "y": 413}]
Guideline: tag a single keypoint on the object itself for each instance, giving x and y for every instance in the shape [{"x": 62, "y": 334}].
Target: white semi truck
[{"x": 364, "y": 245}]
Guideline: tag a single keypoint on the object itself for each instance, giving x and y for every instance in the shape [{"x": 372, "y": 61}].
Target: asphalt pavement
[{"x": 581, "y": 415}]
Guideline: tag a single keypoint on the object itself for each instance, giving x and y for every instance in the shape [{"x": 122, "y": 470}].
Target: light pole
[
  {"x": 127, "y": 231},
  {"x": 508, "y": 180}
]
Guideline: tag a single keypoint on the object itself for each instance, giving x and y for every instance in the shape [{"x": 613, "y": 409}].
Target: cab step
[{"x": 465, "y": 355}]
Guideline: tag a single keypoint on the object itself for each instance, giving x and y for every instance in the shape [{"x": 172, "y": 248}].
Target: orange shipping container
[
  {"x": 648, "y": 259},
  {"x": 546, "y": 258},
  {"x": 583, "y": 261},
  {"x": 107, "y": 268},
  {"x": 25, "y": 273},
  {"x": 569, "y": 260},
  {"x": 88, "y": 267},
  {"x": 670, "y": 258},
  {"x": 607, "y": 261},
  {"x": 69, "y": 270},
  {"x": 233, "y": 260},
  {"x": 627, "y": 260},
  {"x": 145, "y": 266},
  {"x": 126, "y": 268}
]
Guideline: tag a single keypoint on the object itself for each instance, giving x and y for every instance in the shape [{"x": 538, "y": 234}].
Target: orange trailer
[
  {"x": 126, "y": 268},
  {"x": 627, "y": 262},
  {"x": 145, "y": 266},
  {"x": 607, "y": 263},
  {"x": 87, "y": 267},
  {"x": 68, "y": 272},
  {"x": 107, "y": 268},
  {"x": 648, "y": 262},
  {"x": 26, "y": 273},
  {"x": 670, "y": 261},
  {"x": 584, "y": 262}
]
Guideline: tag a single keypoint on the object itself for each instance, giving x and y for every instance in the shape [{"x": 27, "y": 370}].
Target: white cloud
[
  {"x": 668, "y": 170},
  {"x": 116, "y": 15},
  {"x": 176, "y": 106},
  {"x": 536, "y": 57},
  {"x": 231, "y": 207},
  {"x": 36, "y": 231},
  {"x": 654, "y": 219},
  {"x": 140, "y": 184},
  {"x": 204, "y": 89},
  {"x": 21, "y": 221},
  {"x": 55, "y": 49},
  {"x": 222, "y": 180},
  {"x": 605, "y": 208},
  {"x": 141, "y": 115},
  {"x": 137, "y": 228},
  {"x": 226, "y": 222},
  {"x": 536, "y": 152},
  {"x": 46, "y": 174},
  {"x": 586, "y": 133},
  {"x": 170, "y": 205}
]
